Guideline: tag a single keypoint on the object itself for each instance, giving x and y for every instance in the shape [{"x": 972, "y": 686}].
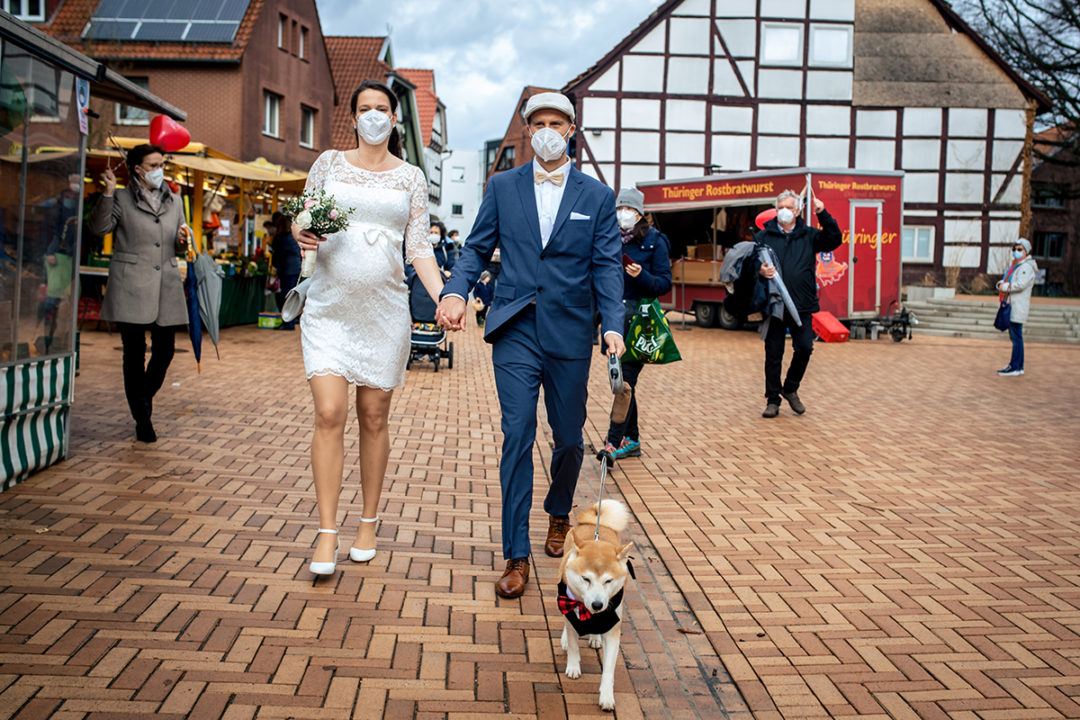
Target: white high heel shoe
[
  {"x": 326, "y": 568},
  {"x": 358, "y": 555}
]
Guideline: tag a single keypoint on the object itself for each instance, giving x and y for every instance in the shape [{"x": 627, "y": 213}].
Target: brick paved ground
[{"x": 908, "y": 548}]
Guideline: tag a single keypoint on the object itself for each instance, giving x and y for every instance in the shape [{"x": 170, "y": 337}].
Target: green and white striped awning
[{"x": 37, "y": 401}]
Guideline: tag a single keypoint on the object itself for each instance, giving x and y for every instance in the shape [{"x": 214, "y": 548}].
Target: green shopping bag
[
  {"x": 649, "y": 339},
  {"x": 58, "y": 277}
]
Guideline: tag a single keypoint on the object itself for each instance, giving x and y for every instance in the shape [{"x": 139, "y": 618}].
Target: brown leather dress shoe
[
  {"x": 557, "y": 529},
  {"x": 512, "y": 582}
]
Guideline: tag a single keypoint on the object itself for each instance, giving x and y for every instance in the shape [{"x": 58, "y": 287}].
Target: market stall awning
[{"x": 231, "y": 168}]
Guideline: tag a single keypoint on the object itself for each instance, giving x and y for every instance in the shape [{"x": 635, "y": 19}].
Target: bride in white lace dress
[{"x": 355, "y": 327}]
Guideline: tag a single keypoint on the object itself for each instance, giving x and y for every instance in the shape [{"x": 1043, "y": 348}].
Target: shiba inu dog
[{"x": 591, "y": 579}]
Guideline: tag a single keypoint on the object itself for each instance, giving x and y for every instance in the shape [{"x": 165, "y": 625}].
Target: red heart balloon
[
  {"x": 168, "y": 134},
  {"x": 764, "y": 217}
]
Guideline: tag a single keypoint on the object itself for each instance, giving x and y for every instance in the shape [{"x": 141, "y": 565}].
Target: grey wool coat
[{"x": 144, "y": 280}]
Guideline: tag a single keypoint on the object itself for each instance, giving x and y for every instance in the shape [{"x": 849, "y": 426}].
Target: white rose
[{"x": 303, "y": 220}]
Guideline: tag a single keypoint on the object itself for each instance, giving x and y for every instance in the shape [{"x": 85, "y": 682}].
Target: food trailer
[{"x": 703, "y": 217}]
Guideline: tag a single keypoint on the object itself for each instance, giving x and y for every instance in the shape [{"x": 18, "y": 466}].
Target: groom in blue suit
[{"x": 561, "y": 254}]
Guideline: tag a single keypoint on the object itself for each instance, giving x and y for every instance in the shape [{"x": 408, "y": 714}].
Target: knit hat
[
  {"x": 1026, "y": 244},
  {"x": 631, "y": 198}
]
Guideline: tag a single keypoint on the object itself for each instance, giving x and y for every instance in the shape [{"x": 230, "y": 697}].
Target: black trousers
[
  {"x": 629, "y": 428},
  {"x": 142, "y": 383},
  {"x": 286, "y": 283},
  {"x": 802, "y": 342}
]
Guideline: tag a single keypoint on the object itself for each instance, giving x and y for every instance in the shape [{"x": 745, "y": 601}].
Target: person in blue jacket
[{"x": 646, "y": 274}]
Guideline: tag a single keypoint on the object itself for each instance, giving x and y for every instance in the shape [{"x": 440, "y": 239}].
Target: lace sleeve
[
  {"x": 416, "y": 232},
  {"x": 317, "y": 174}
]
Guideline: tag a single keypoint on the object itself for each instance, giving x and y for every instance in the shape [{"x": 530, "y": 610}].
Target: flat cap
[{"x": 549, "y": 100}]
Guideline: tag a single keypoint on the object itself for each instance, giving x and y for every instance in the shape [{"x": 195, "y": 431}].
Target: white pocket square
[{"x": 578, "y": 216}]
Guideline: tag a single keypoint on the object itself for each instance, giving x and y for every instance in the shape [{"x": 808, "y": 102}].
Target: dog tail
[{"x": 613, "y": 515}]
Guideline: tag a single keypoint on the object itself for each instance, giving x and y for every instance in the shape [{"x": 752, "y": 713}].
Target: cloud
[{"x": 485, "y": 51}]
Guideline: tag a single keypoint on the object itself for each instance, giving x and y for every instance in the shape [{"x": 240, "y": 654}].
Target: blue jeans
[{"x": 1016, "y": 334}]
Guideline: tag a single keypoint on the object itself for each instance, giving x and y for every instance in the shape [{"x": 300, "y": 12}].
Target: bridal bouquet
[{"x": 318, "y": 213}]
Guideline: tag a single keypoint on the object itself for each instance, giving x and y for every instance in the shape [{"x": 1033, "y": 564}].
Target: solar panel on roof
[
  {"x": 167, "y": 20},
  {"x": 204, "y": 9},
  {"x": 111, "y": 30},
  {"x": 232, "y": 10},
  {"x": 211, "y": 32},
  {"x": 163, "y": 31}
]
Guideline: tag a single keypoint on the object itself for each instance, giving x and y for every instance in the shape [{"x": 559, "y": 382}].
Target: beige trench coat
[{"x": 144, "y": 281}]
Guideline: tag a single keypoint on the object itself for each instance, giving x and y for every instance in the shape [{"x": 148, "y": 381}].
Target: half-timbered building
[{"x": 703, "y": 87}]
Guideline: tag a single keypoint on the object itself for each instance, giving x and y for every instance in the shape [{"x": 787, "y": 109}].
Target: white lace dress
[{"x": 356, "y": 321}]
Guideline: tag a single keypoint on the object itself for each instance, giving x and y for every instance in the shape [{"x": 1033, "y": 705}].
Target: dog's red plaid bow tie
[{"x": 569, "y": 605}]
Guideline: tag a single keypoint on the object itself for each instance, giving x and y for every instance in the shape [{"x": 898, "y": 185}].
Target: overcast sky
[{"x": 484, "y": 51}]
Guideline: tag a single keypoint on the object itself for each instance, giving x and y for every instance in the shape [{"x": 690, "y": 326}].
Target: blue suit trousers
[{"x": 521, "y": 369}]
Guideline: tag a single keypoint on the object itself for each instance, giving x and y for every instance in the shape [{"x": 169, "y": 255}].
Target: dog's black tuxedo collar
[{"x": 593, "y": 623}]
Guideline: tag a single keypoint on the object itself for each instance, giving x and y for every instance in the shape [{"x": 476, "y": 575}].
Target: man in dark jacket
[
  {"x": 285, "y": 256},
  {"x": 795, "y": 245}
]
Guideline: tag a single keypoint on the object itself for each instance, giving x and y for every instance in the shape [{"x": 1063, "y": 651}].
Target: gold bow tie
[{"x": 541, "y": 177}]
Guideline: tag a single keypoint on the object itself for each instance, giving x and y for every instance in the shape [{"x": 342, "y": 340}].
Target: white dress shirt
[{"x": 548, "y": 197}]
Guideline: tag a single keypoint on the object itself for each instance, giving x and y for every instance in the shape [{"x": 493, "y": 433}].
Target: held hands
[
  {"x": 818, "y": 205},
  {"x": 451, "y": 313},
  {"x": 306, "y": 239},
  {"x": 110, "y": 181},
  {"x": 633, "y": 270},
  {"x": 615, "y": 345},
  {"x": 767, "y": 271}
]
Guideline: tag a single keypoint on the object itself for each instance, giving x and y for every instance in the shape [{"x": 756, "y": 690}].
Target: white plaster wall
[
  {"x": 727, "y": 118},
  {"x": 920, "y": 187},
  {"x": 692, "y": 7},
  {"x": 736, "y": 8},
  {"x": 690, "y": 36},
  {"x": 780, "y": 84},
  {"x": 828, "y": 120},
  {"x": 740, "y": 36},
  {"x": 875, "y": 123},
  {"x": 967, "y": 122},
  {"x": 637, "y": 113},
  {"x": 828, "y": 85},
  {"x": 827, "y": 152},
  {"x": 779, "y": 119},
  {"x": 793, "y": 9},
  {"x": 963, "y": 188},
  {"x": 731, "y": 152},
  {"x": 920, "y": 154},
  {"x": 685, "y": 115},
  {"x": 832, "y": 10},
  {"x": 642, "y": 73},
  {"x": 598, "y": 112},
  {"x": 1004, "y": 232},
  {"x": 1005, "y": 153},
  {"x": 653, "y": 42},
  {"x": 922, "y": 121},
  {"x": 602, "y": 145},
  {"x": 1009, "y": 124},
  {"x": 963, "y": 238},
  {"x": 960, "y": 255},
  {"x": 630, "y": 175},
  {"x": 746, "y": 70},
  {"x": 682, "y": 171},
  {"x": 725, "y": 81},
  {"x": 1013, "y": 190},
  {"x": 687, "y": 75},
  {"x": 684, "y": 148},
  {"x": 965, "y": 155},
  {"x": 875, "y": 154},
  {"x": 640, "y": 147},
  {"x": 608, "y": 81},
  {"x": 998, "y": 260},
  {"x": 777, "y": 151}
]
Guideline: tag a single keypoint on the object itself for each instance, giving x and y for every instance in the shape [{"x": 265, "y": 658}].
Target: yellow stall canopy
[{"x": 235, "y": 169}]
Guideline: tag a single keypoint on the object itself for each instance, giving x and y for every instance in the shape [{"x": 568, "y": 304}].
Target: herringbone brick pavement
[{"x": 170, "y": 580}]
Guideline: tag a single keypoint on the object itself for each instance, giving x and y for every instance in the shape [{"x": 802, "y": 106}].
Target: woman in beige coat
[{"x": 145, "y": 291}]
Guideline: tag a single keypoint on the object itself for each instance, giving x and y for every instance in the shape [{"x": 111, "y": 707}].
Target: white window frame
[
  {"x": 457, "y": 173},
  {"x": 307, "y": 122},
  {"x": 281, "y": 29},
  {"x": 915, "y": 244},
  {"x": 796, "y": 61},
  {"x": 144, "y": 83},
  {"x": 847, "y": 61},
  {"x": 271, "y": 114},
  {"x": 460, "y": 207},
  {"x": 17, "y": 7},
  {"x": 302, "y": 49},
  {"x": 1064, "y": 244}
]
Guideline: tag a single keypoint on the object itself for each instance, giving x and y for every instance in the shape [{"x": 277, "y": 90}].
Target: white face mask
[
  {"x": 627, "y": 218},
  {"x": 548, "y": 144},
  {"x": 1018, "y": 254},
  {"x": 785, "y": 216},
  {"x": 434, "y": 238},
  {"x": 154, "y": 178},
  {"x": 374, "y": 126}
]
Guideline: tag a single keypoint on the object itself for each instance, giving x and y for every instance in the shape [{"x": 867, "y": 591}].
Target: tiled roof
[
  {"x": 427, "y": 102},
  {"x": 69, "y": 21},
  {"x": 352, "y": 60}
]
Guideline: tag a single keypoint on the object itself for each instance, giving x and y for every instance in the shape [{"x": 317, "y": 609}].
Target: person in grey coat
[
  {"x": 144, "y": 290},
  {"x": 1015, "y": 289}
]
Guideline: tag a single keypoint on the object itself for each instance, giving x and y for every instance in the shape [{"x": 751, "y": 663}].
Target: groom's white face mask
[{"x": 550, "y": 132}]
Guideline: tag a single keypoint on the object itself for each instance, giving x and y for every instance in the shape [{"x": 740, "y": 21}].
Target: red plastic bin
[{"x": 828, "y": 328}]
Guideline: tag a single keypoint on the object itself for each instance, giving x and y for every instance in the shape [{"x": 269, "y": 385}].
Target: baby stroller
[{"x": 428, "y": 340}]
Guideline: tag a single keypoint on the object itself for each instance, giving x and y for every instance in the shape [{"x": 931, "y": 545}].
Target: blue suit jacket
[{"x": 581, "y": 267}]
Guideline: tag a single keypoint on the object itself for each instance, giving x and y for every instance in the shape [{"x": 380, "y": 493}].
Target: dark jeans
[
  {"x": 628, "y": 428},
  {"x": 287, "y": 283},
  {"x": 1016, "y": 334},
  {"x": 802, "y": 341},
  {"x": 142, "y": 383}
]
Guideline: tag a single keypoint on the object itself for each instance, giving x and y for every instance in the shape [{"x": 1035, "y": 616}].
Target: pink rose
[
  {"x": 308, "y": 204},
  {"x": 333, "y": 214}
]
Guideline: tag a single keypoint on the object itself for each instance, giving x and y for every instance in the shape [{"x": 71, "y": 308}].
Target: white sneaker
[
  {"x": 326, "y": 568},
  {"x": 1010, "y": 371},
  {"x": 359, "y": 554}
]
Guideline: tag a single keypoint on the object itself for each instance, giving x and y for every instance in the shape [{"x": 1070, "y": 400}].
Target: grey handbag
[{"x": 294, "y": 301}]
